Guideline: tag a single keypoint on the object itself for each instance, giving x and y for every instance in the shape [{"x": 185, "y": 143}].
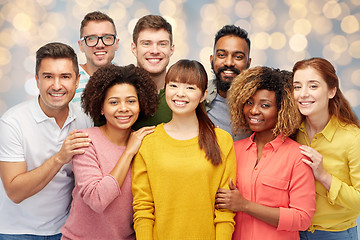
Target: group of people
[{"x": 142, "y": 152}]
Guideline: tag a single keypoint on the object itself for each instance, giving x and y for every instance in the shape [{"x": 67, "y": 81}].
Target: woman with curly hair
[
  {"x": 102, "y": 198},
  {"x": 275, "y": 193},
  {"x": 330, "y": 135},
  {"x": 179, "y": 167}
]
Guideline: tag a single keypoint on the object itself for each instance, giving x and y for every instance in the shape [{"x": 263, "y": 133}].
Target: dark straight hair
[{"x": 193, "y": 72}]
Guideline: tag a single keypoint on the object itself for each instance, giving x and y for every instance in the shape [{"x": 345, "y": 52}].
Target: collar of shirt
[
  {"x": 274, "y": 144},
  {"x": 328, "y": 132}
]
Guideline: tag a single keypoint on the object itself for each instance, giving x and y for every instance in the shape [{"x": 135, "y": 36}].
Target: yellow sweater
[{"x": 174, "y": 188}]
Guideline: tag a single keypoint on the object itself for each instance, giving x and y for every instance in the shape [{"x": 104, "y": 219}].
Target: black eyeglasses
[{"x": 92, "y": 41}]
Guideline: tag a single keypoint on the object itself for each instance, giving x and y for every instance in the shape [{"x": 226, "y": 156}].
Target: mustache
[{"x": 235, "y": 70}]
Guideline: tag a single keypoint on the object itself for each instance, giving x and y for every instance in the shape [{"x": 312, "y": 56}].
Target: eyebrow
[{"x": 223, "y": 50}]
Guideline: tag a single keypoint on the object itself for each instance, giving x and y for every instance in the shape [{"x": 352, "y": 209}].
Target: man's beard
[{"x": 220, "y": 83}]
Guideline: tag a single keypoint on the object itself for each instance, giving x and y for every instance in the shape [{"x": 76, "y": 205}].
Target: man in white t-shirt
[
  {"x": 38, "y": 139},
  {"x": 99, "y": 43}
]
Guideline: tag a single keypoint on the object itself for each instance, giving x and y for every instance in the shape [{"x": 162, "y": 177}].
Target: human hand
[
  {"x": 136, "y": 138},
  {"x": 316, "y": 165},
  {"x": 230, "y": 199},
  {"x": 75, "y": 140}
]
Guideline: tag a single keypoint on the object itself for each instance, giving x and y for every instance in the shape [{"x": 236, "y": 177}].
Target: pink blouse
[{"x": 279, "y": 180}]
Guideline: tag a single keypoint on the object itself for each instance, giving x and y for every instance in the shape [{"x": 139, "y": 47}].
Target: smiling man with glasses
[{"x": 99, "y": 43}]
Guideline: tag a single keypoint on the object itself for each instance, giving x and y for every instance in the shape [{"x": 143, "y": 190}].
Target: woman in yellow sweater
[{"x": 180, "y": 166}]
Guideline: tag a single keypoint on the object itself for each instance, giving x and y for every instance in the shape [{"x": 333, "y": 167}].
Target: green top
[{"x": 162, "y": 115}]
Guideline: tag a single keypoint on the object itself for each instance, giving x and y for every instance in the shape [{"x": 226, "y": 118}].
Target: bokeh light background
[{"x": 282, "y": 32}]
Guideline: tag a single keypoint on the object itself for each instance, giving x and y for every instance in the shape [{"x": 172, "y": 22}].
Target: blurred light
[
  {"x": 352, "y": 96},
  {"x": 83, "y": 3},
  {"x": 315, "y": 7},
  {"x": 322, "y": 25},
  {"x": 205, "y": 53},
  {"x": 350, "y": 24},
  {"x": 127, "y": 3},
  {"x": 45, "y": 2},
  {"x": 22, "y": 22},
  {"x": 260, "y": 40},
  {"x": 29, "y": 64},
  {"x": 117, "y": 11},
  {"x": 258, "y": 57},
  {"x": 5, "y": 84},
  {"x": 243, "y": 24},
  {"x": 344, "y": 59},
  {"x": 339, "y": 44},
  {"x": 355, "y": 2},
  {"x": 298, "y": 42},
  {"x": 277, "y": 40},
  {"x": 167, "y": 7},
  {"x": 263, "y": 18},
  {"x": 5, "y": 56},
  {"x": 354, "y": 49},
  {"x": 30, "y": 87},
  {"x": 302, "y": 26},
  {"x": 345, "y": 10},
  {"x": 140, "y": 13},
  {"x": 209, "y": 11},
  {"x": 355, "y": 77},
  {"x": 225, "y": 3},
  {"x": 56, "y": 19},
  {"x": 131, "y": 25},
  {"x": 48, "y": 32},
  {"x": 329, "y": 54},
  {"x": 331, "y": 9},
  {"x": 293, "y": 57},
  {"x": 297, "y": 11},
  {"x": 6, "y": 38},
  {"x": 243, "y": 9}
]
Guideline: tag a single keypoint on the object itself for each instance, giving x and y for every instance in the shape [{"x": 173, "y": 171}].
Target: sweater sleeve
[
  {"x": 302, "y": 200},
  {"x": 224, "y": 219},
  {"x": 97, "y": 190},
  {"x": 143, "y": 202},
  {"x": 340, "y": 192}
]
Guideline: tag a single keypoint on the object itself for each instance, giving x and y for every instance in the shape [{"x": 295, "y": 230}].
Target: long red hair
[{"x": 338, "y": 105}]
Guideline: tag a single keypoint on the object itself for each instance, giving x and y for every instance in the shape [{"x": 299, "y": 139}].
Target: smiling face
[
  {"x": 312, "y": 93},
  {"x": 57, "y": 82},
  {"x": 100, "y": 54},
  {"x": 121, "y": 107},
  {"x": 153, "y": 50},
  {"x": 183, "y": 98},
  {"x": 231, "y": 56},
  {"x": 260, "y": 112}
]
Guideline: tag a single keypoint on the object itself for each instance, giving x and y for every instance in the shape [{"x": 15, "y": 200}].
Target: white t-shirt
[{"x": 27, "y": 134}]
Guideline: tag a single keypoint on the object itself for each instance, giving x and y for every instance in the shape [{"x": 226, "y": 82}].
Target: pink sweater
[{"x": 100, "y": 209}]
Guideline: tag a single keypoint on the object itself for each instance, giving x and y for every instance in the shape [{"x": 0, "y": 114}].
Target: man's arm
[{"x": 21, "y": 184}]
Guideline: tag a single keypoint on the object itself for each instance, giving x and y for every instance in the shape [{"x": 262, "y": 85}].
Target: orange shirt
[{"x": 279, "y": 180}]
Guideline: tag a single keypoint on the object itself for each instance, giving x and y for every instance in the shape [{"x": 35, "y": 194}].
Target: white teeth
[
  {"x": 56, "y": 94},
  {"x": 228, "y": 72},
  {"x": 123, "y": 118},
  {"x": 100, "y": 53},
  {"x": 305, "y": 103},
  {"x": 154, "y": 60},
  {"x": 255, "y": 120},
  {"x": 182, "y": 103}
]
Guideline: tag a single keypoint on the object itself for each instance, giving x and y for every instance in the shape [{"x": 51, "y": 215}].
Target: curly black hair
[
  {"x": 248, "y": 82},
  {"x": 93, "y": 97}
]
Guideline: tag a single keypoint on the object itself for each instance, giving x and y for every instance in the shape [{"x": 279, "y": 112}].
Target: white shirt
[{"x": 27, "y": 134}]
